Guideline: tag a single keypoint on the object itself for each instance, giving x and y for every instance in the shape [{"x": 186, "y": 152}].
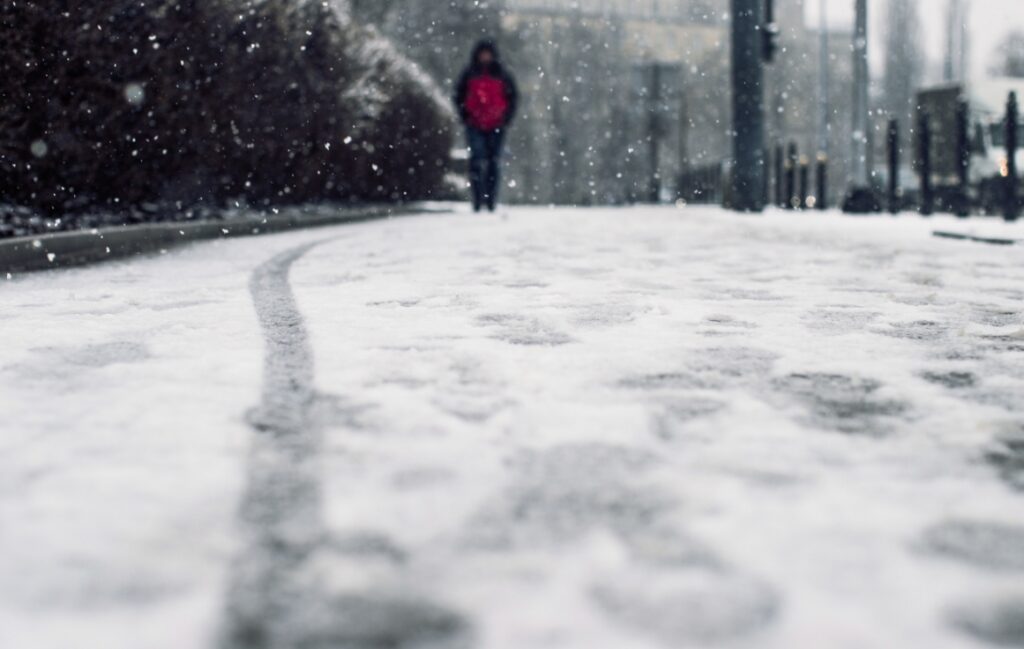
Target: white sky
[{"x": 990, "y": 21}]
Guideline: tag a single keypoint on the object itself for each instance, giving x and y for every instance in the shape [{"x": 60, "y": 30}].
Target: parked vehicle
[{"x": 988, "y": 163}]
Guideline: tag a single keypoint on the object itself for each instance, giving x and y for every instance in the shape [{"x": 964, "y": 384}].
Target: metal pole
[
  {"x": 654, "y": 133},
  {"x": 965, "y": 39},
  {"x": 924, "y": 131},
  {"x": 861, "y": 197},
  {"x": 791, "y": 161},
  {"x": 955, "y": 67},
  {"x": 823, "y": 80},
  {"x": 684, "y": 133},
  {"x": 766, "y": 189},
  {"x": 822, "y": 177},
  {"x": 805, "y": 182},
  {"x": 948, "y": 75},
  {"x": 824, "y": 103},
  {"x": 748, "y": 105},
  {"x": 962, "y": 208},
  {"x": 859, "y": 143},
  {"x": 894, "y": 166},
  {"x": 780, "y": 185},
  {"x": 1012, "y": 207}
]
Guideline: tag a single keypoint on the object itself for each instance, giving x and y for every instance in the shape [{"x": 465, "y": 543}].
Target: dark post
[
  {"x": 780, "y": 184},
  {"x": 770, "y": 31},
  {"x": 861, "y": 197},
  {"x": 791, "y": 161},
  {"x": 654, "y": 133},
  {"x": 962, "y": 201},
  {"x": 805, "y": 181},
  {"x": 766, "y": 190},
  {"x": 924, "y": 130},
  {"x": 822, "y": 173},
  {"x": 748, "y": 104},
  {"x": 1012, "y": 207},
  {"x": 894, "y": 166}
]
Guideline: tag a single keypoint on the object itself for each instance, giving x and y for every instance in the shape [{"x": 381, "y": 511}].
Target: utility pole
[
  {"x": 860, "y": 97},
  {"x": 861, "y": 197},
  {"x": 752, "y": 42},
  {"x": 824, "y": 118}
]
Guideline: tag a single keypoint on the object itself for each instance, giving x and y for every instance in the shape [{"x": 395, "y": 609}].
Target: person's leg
[
  {"x": 495, "y": 145},
  {"x": 478, "y": 152}
]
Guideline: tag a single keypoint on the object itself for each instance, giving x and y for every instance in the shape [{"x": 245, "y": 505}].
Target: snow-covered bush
[{"x": 117, "y": 103}]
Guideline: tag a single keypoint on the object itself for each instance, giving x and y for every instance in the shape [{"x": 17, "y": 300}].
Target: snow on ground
[{"x": 577, "y": 429}]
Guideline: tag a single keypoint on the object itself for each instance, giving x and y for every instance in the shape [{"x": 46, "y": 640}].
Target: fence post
[
  {"x": 924, "y": 130},
  {"x": 1012, "y": 206},
  {"x": 962, "y": 206},
  {"x": 822, "y": 173},
  {"x": 894, "y": 166},
  {"x": 791, "y": 161}
]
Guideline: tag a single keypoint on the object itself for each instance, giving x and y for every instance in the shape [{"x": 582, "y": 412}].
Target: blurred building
[{"x": 607, "y": 55}]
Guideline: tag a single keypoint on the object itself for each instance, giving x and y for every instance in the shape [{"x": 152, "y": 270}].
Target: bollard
[
  {"x": 894, "y": 166},
  {"x": 791, "y": 161},
  {"x": 1012, "y": 205},
  {"x": 962, "y": 199},
  {"x": 822, "y": 174},
  {"x": 780, "y": 165},
  {"x": 805, "y": 181},
  {"x": 924, "y": 152}
]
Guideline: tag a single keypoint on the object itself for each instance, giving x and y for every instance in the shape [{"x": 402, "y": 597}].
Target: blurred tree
[{"x": 116, "y": 103}]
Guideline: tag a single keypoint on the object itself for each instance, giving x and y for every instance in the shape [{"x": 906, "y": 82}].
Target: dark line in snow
[
  {"x": 273, "y": 599},
  {"x": 995, "y": 241}
]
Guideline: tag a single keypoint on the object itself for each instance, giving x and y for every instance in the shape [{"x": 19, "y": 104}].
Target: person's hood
[{"x": 485, "y": 45}]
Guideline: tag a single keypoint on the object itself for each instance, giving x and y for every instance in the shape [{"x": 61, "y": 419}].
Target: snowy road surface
[{"x": 572, "y": 429}]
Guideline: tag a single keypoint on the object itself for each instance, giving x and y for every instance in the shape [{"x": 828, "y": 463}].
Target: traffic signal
[{"x": 770, "y": 32}]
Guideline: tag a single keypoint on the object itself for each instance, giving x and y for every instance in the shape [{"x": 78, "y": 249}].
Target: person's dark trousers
[{"x": 484, "y": 166}]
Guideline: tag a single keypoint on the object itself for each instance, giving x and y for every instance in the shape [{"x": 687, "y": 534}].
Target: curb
[
  {"x": 959, "y": 236},
  {"x": 67, "y": 249}
]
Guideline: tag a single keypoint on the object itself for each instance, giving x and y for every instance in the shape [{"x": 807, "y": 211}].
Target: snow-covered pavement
[{"x": 621, "y": 429}]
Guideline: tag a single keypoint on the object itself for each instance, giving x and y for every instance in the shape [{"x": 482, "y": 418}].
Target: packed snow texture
[{"x": 590, "y": 429}]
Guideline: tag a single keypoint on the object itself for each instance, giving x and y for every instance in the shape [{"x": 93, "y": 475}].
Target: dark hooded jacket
[{"x": 495, "y": 69}]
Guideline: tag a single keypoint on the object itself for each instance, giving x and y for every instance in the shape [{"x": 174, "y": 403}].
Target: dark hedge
[{"x": 116, "y": 104}]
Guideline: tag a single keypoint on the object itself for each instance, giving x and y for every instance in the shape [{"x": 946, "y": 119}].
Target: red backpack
[{"x": 486, "y": 102}]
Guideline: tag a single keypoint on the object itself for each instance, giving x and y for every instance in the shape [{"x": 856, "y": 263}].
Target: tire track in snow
[{"x": 275, "y": 597}]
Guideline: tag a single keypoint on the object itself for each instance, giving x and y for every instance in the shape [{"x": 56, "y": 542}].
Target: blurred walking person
[{"x": 486, "y": 98}]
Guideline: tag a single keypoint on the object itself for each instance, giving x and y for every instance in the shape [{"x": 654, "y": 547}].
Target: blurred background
[{"x": 176, "y": 107}]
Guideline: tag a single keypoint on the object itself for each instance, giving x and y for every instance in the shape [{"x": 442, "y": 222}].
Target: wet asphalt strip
[{"x": 275, "y": 597}]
